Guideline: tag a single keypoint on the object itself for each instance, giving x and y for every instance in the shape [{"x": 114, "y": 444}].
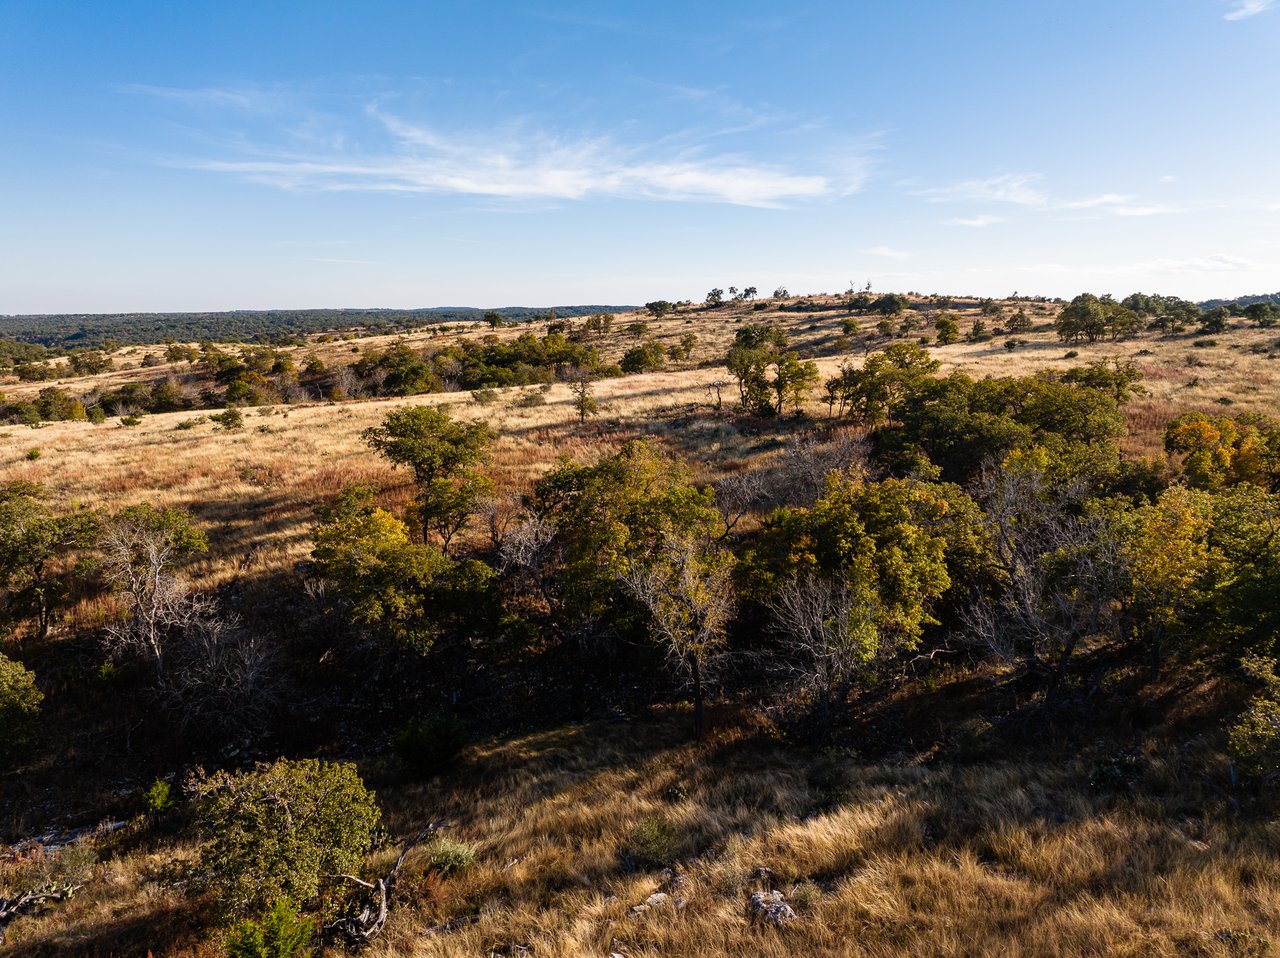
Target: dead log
[
  {"x": 364, "y": 921},
  {"x": 32, "y": 901}
]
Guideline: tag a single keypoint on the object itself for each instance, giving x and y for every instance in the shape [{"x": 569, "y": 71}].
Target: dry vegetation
[
  {"x": 917, "y": 851},
  {"x": 930, "y": 857}
]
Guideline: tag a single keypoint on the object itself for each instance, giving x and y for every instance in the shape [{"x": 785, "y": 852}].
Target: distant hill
[
  {"x": 1242, "y": 301},
  {"x": 76, "y": 330}
]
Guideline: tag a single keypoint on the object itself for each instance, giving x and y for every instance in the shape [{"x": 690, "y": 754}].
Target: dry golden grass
[{"x": 1011, "y": 857}]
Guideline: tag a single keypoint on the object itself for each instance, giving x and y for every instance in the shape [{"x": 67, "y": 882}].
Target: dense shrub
[{"x": 275, "y": 831}]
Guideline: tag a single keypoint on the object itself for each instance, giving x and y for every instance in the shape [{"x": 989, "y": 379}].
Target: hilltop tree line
[{"x": 280, "y": 326}]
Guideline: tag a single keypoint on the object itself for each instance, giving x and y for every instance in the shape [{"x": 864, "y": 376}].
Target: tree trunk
[{"x": 697, "y": 699}]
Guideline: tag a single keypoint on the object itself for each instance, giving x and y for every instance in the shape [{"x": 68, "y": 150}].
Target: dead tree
[
  {"x": 367, "y": 917},
  {"x": 32, "y": 901}
]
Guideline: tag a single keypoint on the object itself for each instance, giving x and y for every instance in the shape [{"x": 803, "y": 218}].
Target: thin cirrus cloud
[
  {"x": 419, "y": 159},
  {"x": 976, "y": 222},
  {"x": 888, "y": 252},
  {"x": 1024, "y": 190},
  {"x": 1243, "y": 9}
]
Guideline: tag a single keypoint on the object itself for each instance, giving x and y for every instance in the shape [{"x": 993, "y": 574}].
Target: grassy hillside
[{"x": 949, "y": 811}]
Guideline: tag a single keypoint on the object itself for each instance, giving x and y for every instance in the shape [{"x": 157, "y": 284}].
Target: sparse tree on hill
[
  {"x": 581, "y": 385},
  {"x": 440, "y": 452}
]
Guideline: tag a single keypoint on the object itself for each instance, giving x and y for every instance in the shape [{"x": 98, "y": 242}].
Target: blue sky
[{"x": 227, "y": 155}]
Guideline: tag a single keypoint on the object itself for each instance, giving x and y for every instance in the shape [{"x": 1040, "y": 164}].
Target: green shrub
[
  {"x": 130, "y": 420},
  {"x": 655, "y": 843},
  {"x": 19, "y": 707},
  {"x": 431, "y": 745},
  {"x": 190, "y": 423},
  {"x": 447, "y": 856},
  {"x": 230, "y": 420},
  {"x": 279, "y": 933},
  {"x": 1255, "y": 738},
  {"x": 273, "y": 832},
  {"x": 486, "y": 396},
  {"x": 159, "y": 797},
  {"x": 33, "y": 455}
]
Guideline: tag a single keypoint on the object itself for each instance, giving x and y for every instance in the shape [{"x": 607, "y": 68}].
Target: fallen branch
[
  {"x": 365, "y": 921},
  {"x": 32, "y": 901}
]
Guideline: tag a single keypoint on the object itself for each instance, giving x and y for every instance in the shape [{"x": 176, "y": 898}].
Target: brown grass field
[{"x": 920, "y": 852}]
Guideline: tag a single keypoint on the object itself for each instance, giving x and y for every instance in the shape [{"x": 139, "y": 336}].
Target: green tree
[
  {"x": 659, "y": 308},
  {"x": 440, "y": 452},
  {"x": 874, "y": 393},
  {"x": 948, "y": 330},
  {"x": 850, "y": 581},
  {"x": 645, "y": 358},
  {"x": 19, "y": 707},
  {"x": 389, "y": 583},
  {"x": 1120, "y": 378},
  {"x": 581, "y": 385},
  {"x": 39, "y": 550},
  {"x": 608, "y": 517},
  {"x": 793, "y": 380},
  {"x": 275, "y": 832}
]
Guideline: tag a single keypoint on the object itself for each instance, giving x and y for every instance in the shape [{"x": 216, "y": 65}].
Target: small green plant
[
  {"x": 431, "y": 745},
  {"x": 230, "y": 420},
  {"x": 1205, "y": 343},
  {"x": 278, "y": 933},
  {"x": 159, "y": 797},
  {"x": 130, "y": 420},
  {"x": 446, "y": 856},
  {"x": 191, "y": 423},
  {"x": 655, "y": 843},
  {"x": 805, "y": 896},
  {"x": 33, "y": 455},
  {"x": 529, "y": 399},
  {"x": 485, "y": 396}
]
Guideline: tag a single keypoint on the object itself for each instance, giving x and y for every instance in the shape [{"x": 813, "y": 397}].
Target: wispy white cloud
[
  {"x": 1153, "y": 210},
  {"x": 888, "y": 252},
  {"x": 513, "y": 163},
  {"x": 1243, "y": 9},
  {"x": 1016, "y": 188},
  {"x": 1024, "y": 190},
  {"x": 976, "y": 222},
  {"x": 250, "y": 99},
  {"x": 1214, "y": 263}
]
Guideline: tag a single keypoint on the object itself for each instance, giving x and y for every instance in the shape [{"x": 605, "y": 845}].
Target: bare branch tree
[
  {"x": 829, "y": 635},
  {"x": 687, "y": 589},
  {"x": 1062, "y": 572}
]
